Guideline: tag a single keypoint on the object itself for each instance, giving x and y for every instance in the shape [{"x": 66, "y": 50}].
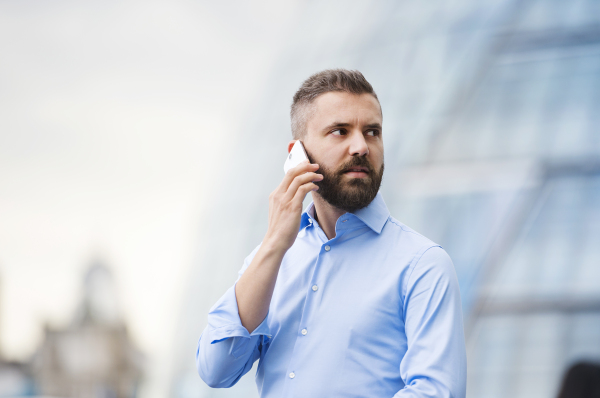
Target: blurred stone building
[
  {"x": 15, "y": 379},
  {"x": 93, "y": 357}
]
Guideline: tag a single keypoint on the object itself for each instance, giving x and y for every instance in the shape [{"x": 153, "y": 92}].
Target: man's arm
[
  {"x": 435, "y": 363},
  {"x": 226, "y": 350},
  {"x": 237, "y": 330},
  {"x": 255, "y": 287}
]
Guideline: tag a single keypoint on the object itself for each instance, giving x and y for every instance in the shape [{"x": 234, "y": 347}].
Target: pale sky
[{"x": 113, "y": 120}]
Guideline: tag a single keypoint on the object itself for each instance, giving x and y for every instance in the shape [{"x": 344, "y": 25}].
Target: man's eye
[
  {"x": 338, "y": 132},
  {"x": 373, "y": 133}
]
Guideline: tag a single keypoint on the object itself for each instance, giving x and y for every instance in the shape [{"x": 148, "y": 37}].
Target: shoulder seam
[
  {"x": 394, "y": 221},
  {"x": 406, "y": 228}
]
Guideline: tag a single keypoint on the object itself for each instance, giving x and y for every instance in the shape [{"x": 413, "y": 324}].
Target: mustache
[{"x": 356, "y": 161}]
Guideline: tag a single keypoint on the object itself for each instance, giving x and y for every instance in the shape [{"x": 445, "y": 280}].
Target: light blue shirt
[{"x": 373, "y": 312}]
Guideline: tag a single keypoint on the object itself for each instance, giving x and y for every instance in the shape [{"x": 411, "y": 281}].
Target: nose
[{"x": 358, "y": 145}]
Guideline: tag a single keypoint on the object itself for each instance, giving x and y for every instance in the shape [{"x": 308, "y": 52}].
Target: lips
[{"x": 357, "y": 170}]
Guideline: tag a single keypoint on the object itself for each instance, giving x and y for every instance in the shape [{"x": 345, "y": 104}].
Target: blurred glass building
[{"x": 492, "y": 138}]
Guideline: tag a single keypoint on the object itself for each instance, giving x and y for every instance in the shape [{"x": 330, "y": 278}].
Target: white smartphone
[{"x": 295, "y": 157}]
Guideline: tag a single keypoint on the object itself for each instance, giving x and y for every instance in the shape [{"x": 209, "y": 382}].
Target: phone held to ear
[{"x": 295, "y": 157}]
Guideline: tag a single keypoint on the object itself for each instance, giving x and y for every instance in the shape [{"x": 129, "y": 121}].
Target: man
[{"x": 340, "y": 300}]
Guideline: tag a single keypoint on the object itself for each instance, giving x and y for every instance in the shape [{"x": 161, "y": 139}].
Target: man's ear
[{"x": 290, "y": 145}]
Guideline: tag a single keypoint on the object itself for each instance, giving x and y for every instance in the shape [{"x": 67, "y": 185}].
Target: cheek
[
  {"x": 331, "y": 159},
  {"x": 330, "y": 167},
  {"x": 376, "y": 158}
]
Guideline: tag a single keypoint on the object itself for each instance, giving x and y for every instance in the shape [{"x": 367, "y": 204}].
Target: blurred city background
[{"x": 139, "y": 142}]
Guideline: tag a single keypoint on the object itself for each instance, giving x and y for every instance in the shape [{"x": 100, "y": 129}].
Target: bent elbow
[
  {"x": 212, "y": 381},
  {"x": 211, "y": 375},
  {"x": 215, "y": 379}
]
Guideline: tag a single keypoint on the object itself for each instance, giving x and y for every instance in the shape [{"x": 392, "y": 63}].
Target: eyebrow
[{"x": 340, "y": 124}]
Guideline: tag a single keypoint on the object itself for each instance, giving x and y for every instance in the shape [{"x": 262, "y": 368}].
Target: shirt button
[
  {"x": 292, "y": 375},
  {"x": 327, "y": 248},
  {"x": 304, "y": 332},
  {"x": 315, "y": 288}
]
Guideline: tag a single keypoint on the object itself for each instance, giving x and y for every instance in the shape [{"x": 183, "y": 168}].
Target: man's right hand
[
  {"x": 285, "y": 205},
  {"x": 255, "y": 287}
]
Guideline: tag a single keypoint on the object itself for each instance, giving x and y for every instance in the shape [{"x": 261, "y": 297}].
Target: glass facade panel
[
  {"x": 522, "y": 109},
  {"x": 548, "y": 280},
  {"x": 525, "y": 355},
  {"x": 556, "y": 253}
]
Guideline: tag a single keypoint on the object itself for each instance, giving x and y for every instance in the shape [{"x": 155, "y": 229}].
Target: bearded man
[{"x": 341, "y": 300}]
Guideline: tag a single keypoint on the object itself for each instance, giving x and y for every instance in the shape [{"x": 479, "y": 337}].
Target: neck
[{"x": 326, "y": 215}]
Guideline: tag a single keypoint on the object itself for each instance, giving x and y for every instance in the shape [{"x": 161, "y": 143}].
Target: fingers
[
  {"x": 302, "y": 168},
  {"x": 299, "y": 181},
  {"x": 302, "y": 191}
]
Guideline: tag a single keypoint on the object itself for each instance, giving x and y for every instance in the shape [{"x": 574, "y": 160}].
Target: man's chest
[{"x": 349, "y": 289}]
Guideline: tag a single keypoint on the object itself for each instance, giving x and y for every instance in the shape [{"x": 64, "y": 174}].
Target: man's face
[{"x": 344, "y": 137}]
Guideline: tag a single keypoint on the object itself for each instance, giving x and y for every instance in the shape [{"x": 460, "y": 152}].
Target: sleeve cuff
[{"x": 224, "y": 323}]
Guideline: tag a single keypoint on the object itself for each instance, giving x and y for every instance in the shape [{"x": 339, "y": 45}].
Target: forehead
[{"x": 347, "y": 108}]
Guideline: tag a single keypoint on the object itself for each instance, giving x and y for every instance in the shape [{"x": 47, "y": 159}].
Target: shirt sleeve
[
  {"x": 435, "y": 363},
  {"x": 226, "y": 350}
]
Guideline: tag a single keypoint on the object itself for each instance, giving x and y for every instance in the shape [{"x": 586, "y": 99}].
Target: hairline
[{"x": 307, "y": 110}]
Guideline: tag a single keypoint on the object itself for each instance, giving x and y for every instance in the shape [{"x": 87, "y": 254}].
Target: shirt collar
[
  {"x": 307, "y": 216},
  {"x": 374, "y": 215}
]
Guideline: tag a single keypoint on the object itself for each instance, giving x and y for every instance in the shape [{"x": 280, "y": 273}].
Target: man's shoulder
[
  {"x": 421, "y": 250},
  {"x": 405, "y": 237}
]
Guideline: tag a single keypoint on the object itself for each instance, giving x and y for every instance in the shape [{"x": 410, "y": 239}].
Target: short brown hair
[{"x": 350, "y": 81}]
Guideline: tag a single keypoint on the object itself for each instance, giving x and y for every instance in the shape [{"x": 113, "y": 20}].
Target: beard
[{"x": 351, "y": 195}]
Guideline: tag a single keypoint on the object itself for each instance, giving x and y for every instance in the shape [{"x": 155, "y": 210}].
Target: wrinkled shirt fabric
[{"x": 373, "y": 312}]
